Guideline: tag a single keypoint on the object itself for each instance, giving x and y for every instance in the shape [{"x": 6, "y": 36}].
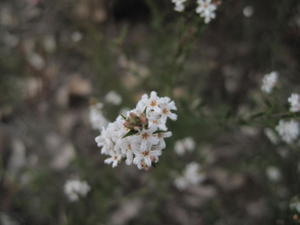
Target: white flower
[
  {"x": 269, "y": 81},
  {"x": 248, "y": 11},
  {"x": 114, "y": 159},
  {"x": 288, "y": 130},
  {"x": 97, "y": 118},
  {"x": 295, "y": 204},
  {"x": 185, "y": 145},
  {"x": 179, "y": 5},
  {"x": 191, "y": 176},
  {"x": 206, "y": 9},
  {"x": 127, "y": 146},
  {"x": 147, "y": 137},
  {"x": 273, "y": 173},
  {"x": 152, "y": 103},
  {"x": 75, "y": 188},
  {"x": 138, "y": 135},
  {"x": 113, "y": 98},
  {"x": 161, "y": 136},
  {"x": 271, "y": 135},
  {"x": 166, "y": 105},
  {"x": 144, "y": 159},
  {"x": 294, "y": 101}
]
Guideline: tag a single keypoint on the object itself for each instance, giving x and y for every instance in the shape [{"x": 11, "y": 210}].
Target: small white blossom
[
  {"x": 113, "y": 98},
  {"x": 75, "y": 188},
  {"x": 269, "y": 81},
  {"x": 185, "y": 145},
  {"x": 114, "y": 159},
  {"x": 294, "y": 101},
  {"x": 295, "y": 204},
  {"x": 206, "y": 9},
  {"x": 179, "y": 5},
  {"x": 138, "y": 135},
  {"x": 191, "y": 176},
  {"x": 248, "y": 11},
  {"x": 273, "y": 173},
  {"x": 271, "y": 135},
  {"x": 288, "y": 130},
  {"x": 97, "y": 118}
]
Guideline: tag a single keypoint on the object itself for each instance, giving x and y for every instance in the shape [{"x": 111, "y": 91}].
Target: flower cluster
[
  {"x": 192, "y": 175},
  {"x": 179, "y": 5},
  {"x": 113, "y": 97},
  {"x": 269, "y": 81},
  {"x": 295, "y": 204},
  {"x": 205, "y": 8},
  {"x": 294, "y": 101},
  {"x": 76, "y": 188},
  {"x": 139, "y": 135},
  {"x": 288, "y": 130},
  {"x": 185, "y": 145}
]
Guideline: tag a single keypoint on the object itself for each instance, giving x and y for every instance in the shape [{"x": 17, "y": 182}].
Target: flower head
[
  {"x": 179, "y": 5},
  {"x": 192, "y": 175},
  {"x": 294, "y": 101},
  {"x": 269, "y": 81},
  {"x": 185, "y": 145},
  {"x": 76, "y": 188},
  {"x": 138, "y": 135},
  {"x": 288, "y": 130},
  {"x": 206, "y": 9}
]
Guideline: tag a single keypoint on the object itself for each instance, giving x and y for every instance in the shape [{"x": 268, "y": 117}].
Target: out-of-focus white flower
[
  {"x": 185, "y": 145},
  {"x": 138, "y": 135},
  {"x": 206, "y": 9},
  {"x": 49, "y": 43},
  {"x": 6, "y": 219},
  {"x": 273, "y": 173},
  {"x": 192, "y": 175},
  {"x": 288, "y": 130},
  {"x": 74, "y": 189},
  {"x": 113, "y": 98},
  {"x": 269, "y": 81},
  {"x": 295, "y": 204},
  {"x": 294, "y": 101},
  {"x": 271, "y": 135},
  {"x": 36, "y": 61},
  {"x": 76, "y": 36},
  {"x": 248, "y": 11},
  {"x": 179, "y": 5},
  {"x": 97, "y": 118}
]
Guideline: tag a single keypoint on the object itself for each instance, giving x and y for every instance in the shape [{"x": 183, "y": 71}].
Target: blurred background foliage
[{"x": 56, "y": 55}]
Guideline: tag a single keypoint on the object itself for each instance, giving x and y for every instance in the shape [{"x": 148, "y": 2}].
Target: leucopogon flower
[
  {"x": 97, "y": 119},
  {"x": 139, "y": 135},
  {"x": 184, "y": 145},
  {"x": 206, "y": 9},
  {"x": 192, "y": 175},
  {"x": 295, "y": 204},
  {"x": 113, "y": 97},
  {"x": 269, "y": 81},
  {"x": 74, "y": 189},
  {"x": 271, "y": 135},
  {"x": 288, "y": 130},
  {"x": 273, "y": 173},
  {"x": 294, "y": 101},
  {"x": 179, "y": 5}
]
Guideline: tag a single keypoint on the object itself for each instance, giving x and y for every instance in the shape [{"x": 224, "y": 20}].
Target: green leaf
[
  {"x": 130, "y": 133},
  {"x": 122, "y": 116}
]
